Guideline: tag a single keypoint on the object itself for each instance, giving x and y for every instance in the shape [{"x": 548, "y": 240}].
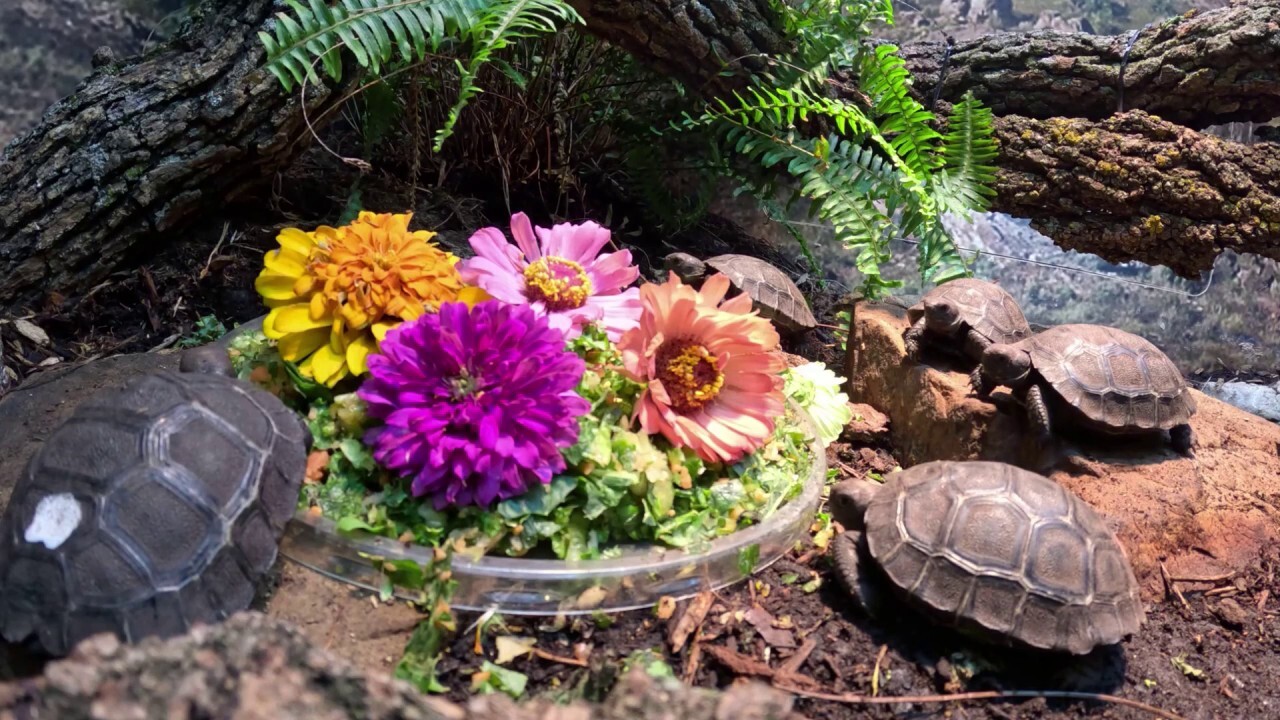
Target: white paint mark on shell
[{"x": 57, "y": 516}]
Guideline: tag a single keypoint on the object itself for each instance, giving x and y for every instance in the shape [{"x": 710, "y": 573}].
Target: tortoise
[
  {"x": 773, "y": 294},
  {"x": 1096, "y": 377},
  {"x": 1001, "y": 554},
  {"x": 962, "y": 317},
  {"x": 154, "y": 507}
]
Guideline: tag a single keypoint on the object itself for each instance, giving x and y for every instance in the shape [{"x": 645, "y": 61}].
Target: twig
[
  {"x": 204, "y": 272},
  {"x": 984, "y": 695},
  {"x": 558, "y": 658},
  {"x": 1206, "y": 578},
  {"x": 875, "y": 673},
  {"x": 793, "y": 663},
  {"x": 1262, "y": 599},
  {"x": 1171, "y": 587}
]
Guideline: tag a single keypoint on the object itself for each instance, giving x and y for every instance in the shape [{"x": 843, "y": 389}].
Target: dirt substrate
[{"x": 1199, "y": 656}]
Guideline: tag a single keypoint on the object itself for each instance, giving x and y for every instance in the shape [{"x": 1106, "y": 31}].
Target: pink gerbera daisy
[
  {"x": 711, "y": 368},
  {"x": 560, "y": 274}
]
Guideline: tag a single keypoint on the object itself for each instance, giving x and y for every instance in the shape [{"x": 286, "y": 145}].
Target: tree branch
[
  {"x": 1135, "y": 187},
  {"x": 139, "y": 150},
  {"x": 1207, "y": 69}
]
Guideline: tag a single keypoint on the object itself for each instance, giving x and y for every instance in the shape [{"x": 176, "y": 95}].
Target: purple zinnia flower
[{"x": 475, "y": 404}]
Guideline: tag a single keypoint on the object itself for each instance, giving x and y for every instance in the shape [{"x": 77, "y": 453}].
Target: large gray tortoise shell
[
  {"x": 154, "y": 507},
  {"x": 1115, "y": 379},
  {"x": 1004, "y": 552}
]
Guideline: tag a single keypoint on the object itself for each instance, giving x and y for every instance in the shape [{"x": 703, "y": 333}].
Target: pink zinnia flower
[
  {"x": 713, "y": 373},
  {"x": 560, "y": 274}
]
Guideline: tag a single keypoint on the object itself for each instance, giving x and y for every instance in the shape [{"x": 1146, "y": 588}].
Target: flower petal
[
  {"x": 522, "y": 231},
  {"x": 296, "y": 346},
  {"x": 358, "y": 354},
  {"x": 291, "y": 319}
]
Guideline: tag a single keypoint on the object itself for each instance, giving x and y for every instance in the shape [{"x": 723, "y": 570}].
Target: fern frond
[
  {"x": 504, "y": 23},
  {"x": 967, "y": 151},
  {"x": 901, "y": 117}
]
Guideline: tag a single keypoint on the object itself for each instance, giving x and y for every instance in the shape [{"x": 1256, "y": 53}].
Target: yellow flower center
[
  {"x": 368, "y": 270},
  {"x": 688, "y": 372},
  {"x": 560, "y": 284}
]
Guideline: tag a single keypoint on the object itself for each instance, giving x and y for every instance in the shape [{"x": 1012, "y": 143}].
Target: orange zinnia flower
[
  {"x": 335, "y": 292},
  {"x": 713, "y": 375}
]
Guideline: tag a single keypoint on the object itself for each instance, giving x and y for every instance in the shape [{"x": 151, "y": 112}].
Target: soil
[{"x": 1199, "y": 655}]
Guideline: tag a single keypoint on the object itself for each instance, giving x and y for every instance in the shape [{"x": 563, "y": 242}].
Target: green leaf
[
  {"x": 351, "y": 523},
  {"x": 540, "y": 501},
  {"x": 747, "y": 559}
]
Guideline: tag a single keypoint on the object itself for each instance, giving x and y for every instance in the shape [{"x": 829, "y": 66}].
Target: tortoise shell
[
  {"x": 984, "y": 306},
  {"x": 154, "y": 507},
  {"x": 1115, "y": 379},
  {"x": 994, "y": 549},
  {"x": 775, "y": 294}
]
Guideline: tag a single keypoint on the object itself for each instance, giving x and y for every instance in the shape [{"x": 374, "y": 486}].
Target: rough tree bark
[
  {"x": 139, "y": 150},
  {"x": 146, "y": 146},
  {"x": 1198, "y": 70}
]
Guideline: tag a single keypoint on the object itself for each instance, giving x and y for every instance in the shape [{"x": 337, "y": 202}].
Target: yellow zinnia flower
[{"x": 335, "y": 292}]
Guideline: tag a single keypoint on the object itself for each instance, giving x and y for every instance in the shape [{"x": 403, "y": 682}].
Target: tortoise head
[
  {"x": 941, "y": 315},
  {"x": 207, "y": 360},
  {"x": 1006, "y": 363},
  {"x": 686, "y": 267},
  {"x": 849, "y": 500}
]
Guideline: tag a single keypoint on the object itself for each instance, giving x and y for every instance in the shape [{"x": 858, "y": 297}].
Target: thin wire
[{"x": 1042, "y": 263}]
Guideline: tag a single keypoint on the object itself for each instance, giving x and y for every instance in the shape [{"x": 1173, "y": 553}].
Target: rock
[
  {"x": 1204, "y": 517},
  {"x": 1231, "y": 615},
  {"x": 868, "y": 426},
  {"x": 256, "y": 668},
  {"x": 1261, "y": 400},
  {"x": 30, "y": 412}
]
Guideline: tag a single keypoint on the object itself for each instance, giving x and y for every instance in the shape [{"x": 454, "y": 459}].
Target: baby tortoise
[
  {"x": 154, "y": 507},
  {"x": 1003, "y": 555},
  {"x": 773, "y": 294},
  {"x": 962, "y": 318},
  {"x": 1097, "y": 377}
]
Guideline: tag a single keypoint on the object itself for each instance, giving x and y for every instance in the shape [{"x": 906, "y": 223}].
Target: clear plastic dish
[{"x": 516, "y": 586}]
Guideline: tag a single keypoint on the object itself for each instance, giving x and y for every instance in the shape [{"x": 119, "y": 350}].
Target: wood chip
[
  {"x": 689, "y": 620},
  {"x": 763, "y": 623},
  {"x": 31, "y": 331}
]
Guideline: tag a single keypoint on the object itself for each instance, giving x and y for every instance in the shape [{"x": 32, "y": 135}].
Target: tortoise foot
[
  {"x": 1183, "y": 438},
  {"x": 852, "y": 572}
]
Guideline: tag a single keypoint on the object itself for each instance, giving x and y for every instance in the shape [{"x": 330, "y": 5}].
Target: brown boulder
[{"x": 1204, "y": 517}]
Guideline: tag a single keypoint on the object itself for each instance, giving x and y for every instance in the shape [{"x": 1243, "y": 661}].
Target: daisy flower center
[
  {"x": 559, "y": 283},
  {"x": 688, "y": 372}
]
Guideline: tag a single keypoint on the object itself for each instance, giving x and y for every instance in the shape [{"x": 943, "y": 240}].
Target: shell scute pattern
[
  {"x": 987, "y": 308},
  {"x": 1014, "y": 554},
  {"x": 183, "y": 482},
  {"x": 775, "y": 294},
  {"x": 1114, "y": 378}
]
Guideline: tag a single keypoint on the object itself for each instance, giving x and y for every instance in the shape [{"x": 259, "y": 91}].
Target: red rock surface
[{"x": 1203, "y": 517}]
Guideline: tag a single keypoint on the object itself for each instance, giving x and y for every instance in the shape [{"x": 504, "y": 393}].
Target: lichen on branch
[{"x": 1137, "y": 187}]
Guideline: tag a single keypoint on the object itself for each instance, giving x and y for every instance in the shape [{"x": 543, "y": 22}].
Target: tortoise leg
[
  {"x": 911, "y": 338},
  {"x": 975, "y": 345},
  {"x": 1183, "y": 438},
  {"x": 1038, "y": 411},
  {"x": 979, "y": 383},
  {"x": 853, "y": 573}
]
